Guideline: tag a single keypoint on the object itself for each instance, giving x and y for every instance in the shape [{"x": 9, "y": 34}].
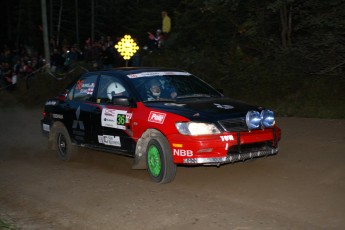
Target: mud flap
[{"x": 139, "y": 161}]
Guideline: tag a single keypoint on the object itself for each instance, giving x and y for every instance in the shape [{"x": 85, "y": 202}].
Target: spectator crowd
[
  {"x": 21, "y": 61},
  {"x": 100, "y": 54},
  {"x": 17, "y": 62}
]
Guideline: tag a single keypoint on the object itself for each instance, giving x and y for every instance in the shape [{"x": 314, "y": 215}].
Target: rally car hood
[{"x": 205, "y": 109}]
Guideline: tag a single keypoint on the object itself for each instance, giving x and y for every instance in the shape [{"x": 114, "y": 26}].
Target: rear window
[{"x": 84, "y": 88}]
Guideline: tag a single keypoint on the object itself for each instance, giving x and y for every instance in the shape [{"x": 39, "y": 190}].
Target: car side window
[
  {"x": 110, "y": 86},
  {"x": 84, "y": 88}
]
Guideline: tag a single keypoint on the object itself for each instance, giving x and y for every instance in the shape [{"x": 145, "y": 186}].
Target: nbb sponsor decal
[
  {"x": 156, "y": 117},
  {"x": 183, "y": 153}
]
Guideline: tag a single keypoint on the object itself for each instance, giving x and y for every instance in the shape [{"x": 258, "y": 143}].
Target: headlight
[
  {"x": 267, "y": 117},
  {"x": 253, "y": 120},
  {"x": 196, "y": 128}
]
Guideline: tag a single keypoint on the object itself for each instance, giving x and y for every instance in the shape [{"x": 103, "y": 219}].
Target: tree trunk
[
  {"x": 29, "y": 22},
  {"x": 283, "y": 19},
  {"x": 9, "y": 32},
  {"x": 51, "y": 18},
  {"x": 289, "y": 31},
  {"x": 59, "y": 24},
  {"x": 77, "y": 21},
  {"x": 286, "y": 24},
  {"x": 19, "y": 20},
  {"x": 45, "y": 31},
  {"x": 92, "y": 21}
]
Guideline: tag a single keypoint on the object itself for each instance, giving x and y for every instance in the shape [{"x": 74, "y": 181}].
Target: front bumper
[
  {"x": 233, "y": 157},
  {"x": 225, "y": 148}
]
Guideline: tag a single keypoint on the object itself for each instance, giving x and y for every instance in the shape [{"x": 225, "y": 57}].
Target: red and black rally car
[{"x": 160, "y": 117}]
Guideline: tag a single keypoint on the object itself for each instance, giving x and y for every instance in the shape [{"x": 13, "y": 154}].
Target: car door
[
  {"x": 78, "y": 108},
  {"x": 114, "y": 129}
]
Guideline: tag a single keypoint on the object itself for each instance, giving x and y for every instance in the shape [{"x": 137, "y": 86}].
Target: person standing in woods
[{"x": 166, "y": 23}]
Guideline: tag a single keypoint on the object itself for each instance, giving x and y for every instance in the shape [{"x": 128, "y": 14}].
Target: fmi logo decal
[
  {"x": 156, "y": 117},
  {"x": 223, "y": 106}
]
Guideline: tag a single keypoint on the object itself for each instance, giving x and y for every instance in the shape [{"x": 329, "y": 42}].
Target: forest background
[{"x": 288, "y": 55}]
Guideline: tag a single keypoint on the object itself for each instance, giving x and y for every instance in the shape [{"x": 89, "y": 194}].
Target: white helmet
[
  {"x": 155, "y": 87},
  {"x": 114, "y": 89}
]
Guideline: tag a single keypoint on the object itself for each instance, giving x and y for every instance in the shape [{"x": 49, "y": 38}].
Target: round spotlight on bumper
[
  {"x": 253, "y": 120},
  {"x": 267, "y": 117}
]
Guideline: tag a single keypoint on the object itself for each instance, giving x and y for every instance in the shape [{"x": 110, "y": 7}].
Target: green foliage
[
  {"x": 6, "y": 225},
  {"x": 239, "y": 46}
]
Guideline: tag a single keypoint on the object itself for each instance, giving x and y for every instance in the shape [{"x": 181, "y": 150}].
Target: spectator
[
  {"x": 56, "y": 61},
  {"x": 8, "y": 77},
  {"x": 13, "y": 81},
  {"x": 166, "y": 23},
  {"x": 28, "y": 69},
  {"x": 154, "y": 41},
  {"x": 135, "y": 60},
  {"x": 96, "y": 55},
  {"x": 17, "y": 66},
  {"x": 5, "y": 73},
  {"x": 73, "y": 55},
  {"x": 108, "y": 55}
]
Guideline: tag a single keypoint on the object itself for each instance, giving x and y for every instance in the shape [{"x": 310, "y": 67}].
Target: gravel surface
[{"x": 302, "y": 187}]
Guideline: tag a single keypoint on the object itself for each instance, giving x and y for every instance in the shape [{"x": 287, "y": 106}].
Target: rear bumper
[
  {"x": 45, "y": 128},
  {"x": 230, "y": 158}
]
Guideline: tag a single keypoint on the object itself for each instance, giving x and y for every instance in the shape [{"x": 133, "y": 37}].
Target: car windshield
[{"x": 171, "y": 86}]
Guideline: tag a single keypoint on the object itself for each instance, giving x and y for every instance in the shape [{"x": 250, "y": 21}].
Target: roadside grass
[{"x": 7, "y": 225}]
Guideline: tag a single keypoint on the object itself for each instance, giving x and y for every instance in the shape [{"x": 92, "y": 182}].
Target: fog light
[
  {"x": 267, "y": 117},
  {"x": 253, "y": 120}
]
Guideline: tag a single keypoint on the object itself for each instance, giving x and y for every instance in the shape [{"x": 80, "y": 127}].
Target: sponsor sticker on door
[
  {"x": 113, "y": 118},
  {"x": 109, "y": 140},
  {"x": 156, "y": 117}
]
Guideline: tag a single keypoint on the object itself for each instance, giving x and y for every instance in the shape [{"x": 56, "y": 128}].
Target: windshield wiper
[
  {"x": 161, "y": 100},
  {"x": 194, "y": 95}
]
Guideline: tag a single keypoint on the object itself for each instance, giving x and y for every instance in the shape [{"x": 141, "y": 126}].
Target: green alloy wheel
[
  {"x": 154, "y": 161},
  {"x": 159, "y": 160}
]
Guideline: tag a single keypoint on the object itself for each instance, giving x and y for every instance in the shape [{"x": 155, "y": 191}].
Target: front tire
[{"x": 159, "y": 158}]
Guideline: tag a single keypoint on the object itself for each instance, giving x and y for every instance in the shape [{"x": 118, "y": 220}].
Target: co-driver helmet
[{"x": 114, "y": 89}]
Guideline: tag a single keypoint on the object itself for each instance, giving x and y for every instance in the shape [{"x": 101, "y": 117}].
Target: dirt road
[{"x": 303, "y": 187}]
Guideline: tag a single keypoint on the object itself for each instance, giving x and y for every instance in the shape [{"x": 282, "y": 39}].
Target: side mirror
[{"x": 122, "y": 101}]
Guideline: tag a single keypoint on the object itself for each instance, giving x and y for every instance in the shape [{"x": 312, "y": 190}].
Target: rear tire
[
  {"x": 159, "y": 159},
  {"x": 64, "y": 147}
]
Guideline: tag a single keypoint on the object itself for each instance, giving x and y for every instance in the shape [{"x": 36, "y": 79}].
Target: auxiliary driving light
[
  {"x": 267, "y": 117},
  {"x": 253, "y": 120}
]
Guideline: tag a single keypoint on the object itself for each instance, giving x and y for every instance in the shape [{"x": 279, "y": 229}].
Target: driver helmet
[
  {"x": 114, "y": 89},
  {"x": 155, "y": 87}
]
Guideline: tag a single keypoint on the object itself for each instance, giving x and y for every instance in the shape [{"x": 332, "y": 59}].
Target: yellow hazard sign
[{"x": 127, "y": 47}]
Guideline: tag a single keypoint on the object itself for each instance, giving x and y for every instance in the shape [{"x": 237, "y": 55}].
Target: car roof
[{"x": 135, "y": 70}]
